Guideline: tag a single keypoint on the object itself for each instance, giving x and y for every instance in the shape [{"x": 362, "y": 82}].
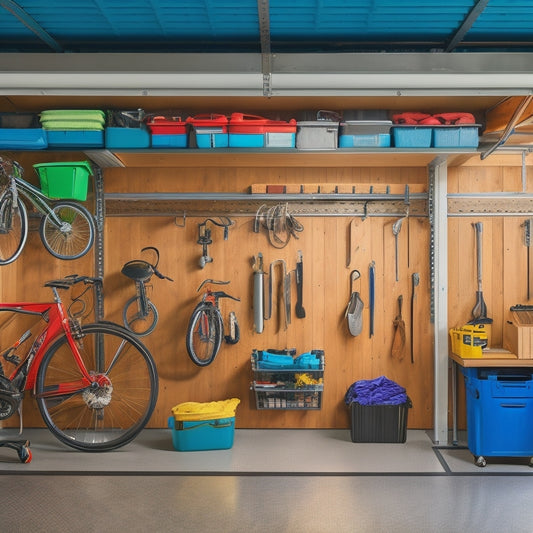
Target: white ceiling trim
[{"x": 241, "y": 74}]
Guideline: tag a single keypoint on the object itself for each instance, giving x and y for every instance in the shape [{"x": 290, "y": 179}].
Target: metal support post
[{"x": 438, "y": 216}]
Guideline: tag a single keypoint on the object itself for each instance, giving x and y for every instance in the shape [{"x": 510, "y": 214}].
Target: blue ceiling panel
[{"x": 234, "y": 25}]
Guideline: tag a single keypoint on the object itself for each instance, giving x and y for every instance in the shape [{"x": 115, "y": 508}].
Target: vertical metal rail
[
  {"x": 438, "y": 218},
  {"x": 99, "y": 213},
  {"x": 263, "y": 8}
]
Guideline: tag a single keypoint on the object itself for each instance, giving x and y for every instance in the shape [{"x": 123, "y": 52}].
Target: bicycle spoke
[{"x": 111, "y": 411}]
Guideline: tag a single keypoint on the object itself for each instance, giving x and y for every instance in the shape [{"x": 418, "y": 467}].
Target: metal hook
[
  {"x": 176, "y": 220},
  {"x": 365, "y": 210}
]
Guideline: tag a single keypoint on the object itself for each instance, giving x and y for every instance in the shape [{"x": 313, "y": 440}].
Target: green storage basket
[{"x": 65, "y": 180}]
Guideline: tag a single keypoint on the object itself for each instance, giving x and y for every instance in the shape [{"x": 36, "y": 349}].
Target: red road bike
[{"x": 95, "y": 384}]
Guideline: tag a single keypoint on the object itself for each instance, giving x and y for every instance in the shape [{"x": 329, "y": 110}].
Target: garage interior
[{"x": 288, "y": 469}]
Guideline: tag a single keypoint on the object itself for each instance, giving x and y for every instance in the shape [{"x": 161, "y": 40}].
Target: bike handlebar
[
  {"x": 222, "y": 294},
  {"x": 73, "y": 279}
]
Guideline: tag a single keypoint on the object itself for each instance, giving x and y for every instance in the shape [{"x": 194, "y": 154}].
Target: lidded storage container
[
  {"x": 168, "y": 132},
  {"x": 200, "y": 426},
  {"x": 211, "y": 130},
  {"x": 252, "y": 131},
  {"x": 318, "y": 131}
]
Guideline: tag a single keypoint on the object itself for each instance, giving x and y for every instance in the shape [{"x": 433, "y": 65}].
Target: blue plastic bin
[
  {"x": 262, "y": 140},
  {"x": 200, "y": 435},
  {"x": 23, "y": 139},
  {"x": 374, "y": 140},
  {"x": 164, "y": 140},
  {"x": 127, "y": 138},
  {"x": 75, "y": 138},
  {"x": 499, "y": 411},
  {"x": 212, "y": 140},
  {"x": 412, "y": 136},
  {"x": 456, "y": 136}
]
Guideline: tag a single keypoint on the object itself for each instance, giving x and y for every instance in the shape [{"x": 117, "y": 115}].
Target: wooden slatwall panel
[
  {"x": 326, "y": 286},
  {"x": 326, "y": 292}
]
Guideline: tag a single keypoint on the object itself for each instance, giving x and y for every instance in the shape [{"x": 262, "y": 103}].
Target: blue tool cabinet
[{"x": 499, "y": 412}]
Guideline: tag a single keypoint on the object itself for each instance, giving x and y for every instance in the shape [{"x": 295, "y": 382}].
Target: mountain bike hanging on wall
[
  {"x": 140, "y": 314},
  {"x": 66, "y": 230},
  {"x": 95, "y": 384},
  {"x": 205, "y": 331}
]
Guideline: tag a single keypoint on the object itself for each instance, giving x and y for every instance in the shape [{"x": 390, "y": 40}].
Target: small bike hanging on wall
[
  {"x": 66, "y": 229},
  {"x": 206, "y": 326},
  {"x": 140, "y": 314}
]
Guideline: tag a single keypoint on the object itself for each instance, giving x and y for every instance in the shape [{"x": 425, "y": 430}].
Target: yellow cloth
[{"x": 205, "y": 411}]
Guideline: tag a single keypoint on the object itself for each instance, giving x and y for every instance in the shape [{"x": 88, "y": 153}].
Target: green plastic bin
[{"x": 65, "y": 180}]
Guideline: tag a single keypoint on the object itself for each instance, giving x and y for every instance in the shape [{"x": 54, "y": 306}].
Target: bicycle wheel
[
  {"x": 74, "y": 237},
  {"x": 204, "y": 334},
  {"x": 13, "y": 229},
  {"x": 134, "y": 319},
  {"x": 117, "y": 406}
]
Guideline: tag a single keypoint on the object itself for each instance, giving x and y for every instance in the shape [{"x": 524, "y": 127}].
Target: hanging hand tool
[
  {"x": 299, "y": 309},
  {"x": 259, "y": 294},
  {"x": 372, "y": 294},
  {"x": 396, "y": 227},
  {"x": 286, "y": 291},
  {"x": 479, "y": 311},
  {"x": 415, "y": 281},
  {"x": 398, "y": 341},
  {"x": 204, "y": 236},
  {"x": 354, "y": 309},
  {"x": 528, "y": 241},
  {"x": 234, "y": 331}
]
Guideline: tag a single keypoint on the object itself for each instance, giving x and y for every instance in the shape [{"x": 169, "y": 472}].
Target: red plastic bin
[
  {"x": 259, "y": 132},
  {"x": 242, "y": 123},
  {"x": 167, "y": 126},
  {"x": 213, "y": 120}
]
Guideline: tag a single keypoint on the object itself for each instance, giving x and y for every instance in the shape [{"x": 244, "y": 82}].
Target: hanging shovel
[
  {"x": 398, "y": 341},
  {"x": 354, "y": 309},
  {"x": 479, "y": 310}
]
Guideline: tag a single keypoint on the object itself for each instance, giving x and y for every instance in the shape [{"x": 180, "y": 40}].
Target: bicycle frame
[
  {"x": 57, "y": 324},
  {"x": 142, "y": 297},
  {"x": 37, "y": 198}
]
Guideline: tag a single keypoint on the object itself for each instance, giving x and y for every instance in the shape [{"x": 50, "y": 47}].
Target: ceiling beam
[
  {"x": 468, "y": 22},
  {"x": 31, "y": 24}
]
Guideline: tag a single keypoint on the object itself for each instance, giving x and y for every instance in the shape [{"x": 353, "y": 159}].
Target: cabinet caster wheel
[{"x": 480, "y": 461}]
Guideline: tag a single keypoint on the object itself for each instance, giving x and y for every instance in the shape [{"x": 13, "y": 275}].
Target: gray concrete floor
[{"x": 270, "y": 480}]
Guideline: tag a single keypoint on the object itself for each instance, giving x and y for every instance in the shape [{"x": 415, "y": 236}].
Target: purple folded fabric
[{"x": 378, "y": 391}]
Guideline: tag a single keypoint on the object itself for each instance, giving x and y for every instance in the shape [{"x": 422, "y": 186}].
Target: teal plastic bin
[{"x": 200, "y": 435}]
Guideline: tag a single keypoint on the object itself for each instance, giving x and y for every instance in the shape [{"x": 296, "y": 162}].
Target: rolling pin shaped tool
[{"x": 259, "y": 296}]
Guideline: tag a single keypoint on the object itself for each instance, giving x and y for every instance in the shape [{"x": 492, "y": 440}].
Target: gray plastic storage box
[{"x": 318, "y": 134}]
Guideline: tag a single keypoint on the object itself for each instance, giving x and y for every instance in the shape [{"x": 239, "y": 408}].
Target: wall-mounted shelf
[{"x": 271, "y": 157}]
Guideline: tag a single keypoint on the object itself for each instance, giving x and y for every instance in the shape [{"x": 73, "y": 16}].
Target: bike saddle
[{"x": 138, "y": 270}]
